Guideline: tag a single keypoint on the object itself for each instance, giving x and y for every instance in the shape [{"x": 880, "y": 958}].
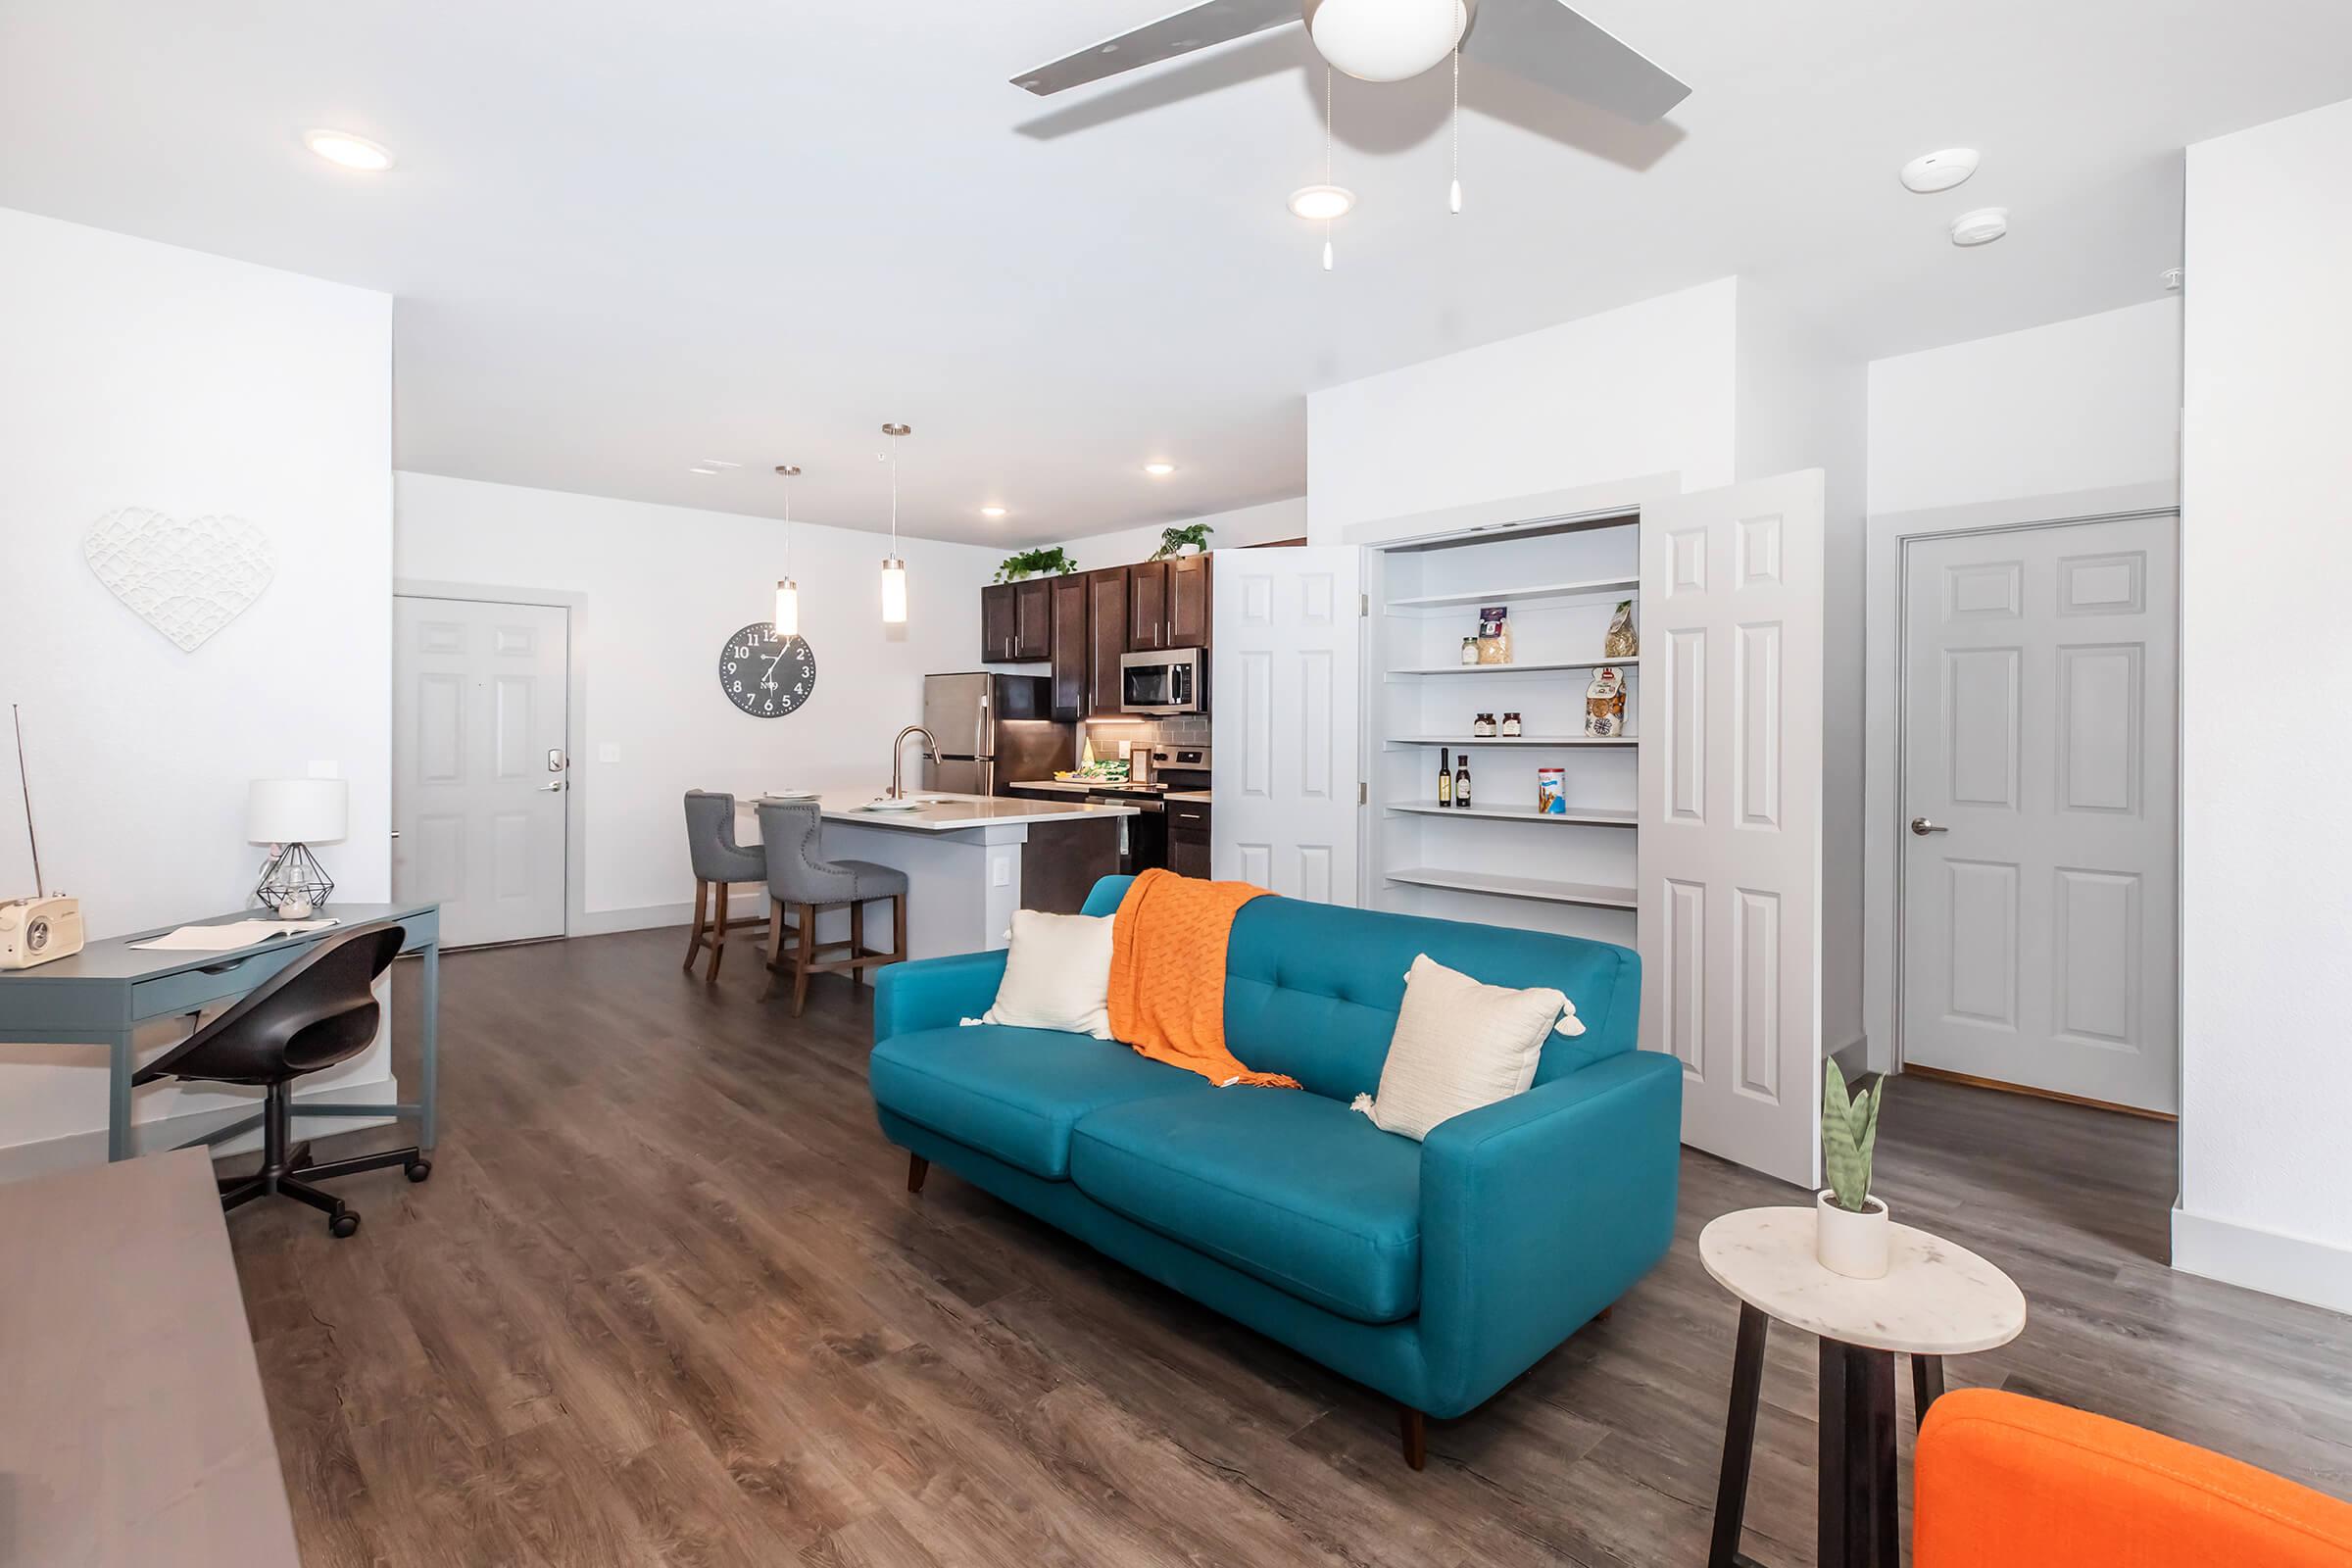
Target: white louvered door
[{"x": 1729, "y": 814}]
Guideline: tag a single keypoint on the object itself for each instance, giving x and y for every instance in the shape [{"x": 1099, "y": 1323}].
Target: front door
[
  {"x": 1285, "y": 768},
  {"x": 2041, "y": 695},
  {"x": 479, "y": 765}
]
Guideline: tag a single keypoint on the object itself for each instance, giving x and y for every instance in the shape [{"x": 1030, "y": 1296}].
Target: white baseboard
[
  {"x": 74, "y": 1151},
  {"x": 2292, "y": 1266},
  {"x": 605, "y": 922}
]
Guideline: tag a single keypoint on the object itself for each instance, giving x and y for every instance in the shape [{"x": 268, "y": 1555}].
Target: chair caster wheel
[
  {"x": 418, "y": 1169},
  {"x": 342, "y": 1224}
]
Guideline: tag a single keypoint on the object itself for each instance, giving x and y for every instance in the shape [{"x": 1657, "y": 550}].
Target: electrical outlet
[
  {"x": 325, "y": 771},
  {"x": 1001, "y": 868}
]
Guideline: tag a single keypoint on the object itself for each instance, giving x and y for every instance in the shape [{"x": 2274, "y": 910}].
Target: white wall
[
  {"x": 1645, "y": 390},
  {"x": 1244, "y": 525},
  {"x": 2266, "y": 679},
  {"x": 2074, "y": 419},
  {"x": 139, "y": 374},
  {"x": 664, "y": 587}
]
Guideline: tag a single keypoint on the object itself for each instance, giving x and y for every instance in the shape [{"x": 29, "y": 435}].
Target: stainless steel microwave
[{"x": 1162, "y": 680}]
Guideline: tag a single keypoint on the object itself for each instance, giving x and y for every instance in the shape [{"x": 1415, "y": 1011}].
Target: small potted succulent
[
  {"x": 1174, "y": 541},
  {"x": 1849, "y": 1235},
  {"x": 1029, "y": 562}
]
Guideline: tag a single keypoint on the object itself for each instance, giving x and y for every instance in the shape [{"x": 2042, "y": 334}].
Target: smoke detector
[
  {"x": 1981, "y": 226},
  {"x": 1930, "y": 172}
]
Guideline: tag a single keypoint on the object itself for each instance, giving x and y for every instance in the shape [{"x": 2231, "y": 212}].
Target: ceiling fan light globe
[{"x": 1386, "y": 40}]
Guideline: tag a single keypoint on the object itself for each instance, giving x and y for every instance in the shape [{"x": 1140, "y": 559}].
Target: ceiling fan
[{"x": 1388, "y": 40}]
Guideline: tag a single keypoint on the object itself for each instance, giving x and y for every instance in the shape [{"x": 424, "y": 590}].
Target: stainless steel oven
[{"x": 1167, "y": 680}]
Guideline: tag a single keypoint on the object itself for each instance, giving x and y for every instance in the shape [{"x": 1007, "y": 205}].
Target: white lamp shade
[
  {"x": 787, "y": 608},
  {"x": 894, "y": 591},
  {"x": 297, "y": 811}
]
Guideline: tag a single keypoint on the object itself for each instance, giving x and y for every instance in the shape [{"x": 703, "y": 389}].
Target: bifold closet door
[
  {"x": 1285, "y": 681},
  {"x": 1730, "y": 814}
]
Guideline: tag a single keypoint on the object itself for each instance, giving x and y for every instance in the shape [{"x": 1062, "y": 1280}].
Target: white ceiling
[{"x": 627, "y": 236}]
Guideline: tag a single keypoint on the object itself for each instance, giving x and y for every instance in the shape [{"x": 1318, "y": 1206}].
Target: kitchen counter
[
  {"x": 1080, "y": 786},
  {"x": 1191, "y": 797},
  {"x": 960, "y": 813}
]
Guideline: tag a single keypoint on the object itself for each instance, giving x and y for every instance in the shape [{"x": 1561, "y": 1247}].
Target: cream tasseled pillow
[
  {"x": 1056, "y": 974},
  {"x": 1459, "y": 1045}
]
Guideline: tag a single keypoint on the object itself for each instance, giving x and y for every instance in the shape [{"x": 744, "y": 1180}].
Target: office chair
[{"x": 316, "y": 1012}]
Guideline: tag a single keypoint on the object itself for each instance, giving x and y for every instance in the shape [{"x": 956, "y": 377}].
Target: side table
[{"x": 1937, "y": 1299}]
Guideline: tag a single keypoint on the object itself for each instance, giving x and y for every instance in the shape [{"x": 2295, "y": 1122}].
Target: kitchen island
[{"x": 970, "y": 860}]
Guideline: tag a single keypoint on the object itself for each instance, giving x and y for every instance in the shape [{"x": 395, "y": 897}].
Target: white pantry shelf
[
  {"x": 1514, "y": 740},
  {"x": 1584, "y": 816},
  {"x": 1541, "y": 889},
  {"x": 1629, "y": 586},
  {"x": 1507, "y": 670}
]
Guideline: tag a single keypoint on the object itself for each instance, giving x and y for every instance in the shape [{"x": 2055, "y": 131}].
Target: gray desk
[
  {"x": 101, "y": 996},
  {"x": 136, "y": 1433}
]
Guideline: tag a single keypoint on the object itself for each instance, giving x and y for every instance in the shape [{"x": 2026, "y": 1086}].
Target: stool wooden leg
[
  {"x": 805, "y": 957},
  {"x": 723, "y": 899},
  {"x": 694, "y": 938},
  {"x": 856, "y": 943},
  {"x": 775, "y": 944}
]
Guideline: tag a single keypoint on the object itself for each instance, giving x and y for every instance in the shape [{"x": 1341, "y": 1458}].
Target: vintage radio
[{"x": 40, "y": 928}]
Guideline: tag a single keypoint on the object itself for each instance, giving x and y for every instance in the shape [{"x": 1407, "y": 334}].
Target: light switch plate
[
  {"x": 1001, "y": 868},
  {"x": 325, "y": 771},
  {"x": 608, "y": 751}
]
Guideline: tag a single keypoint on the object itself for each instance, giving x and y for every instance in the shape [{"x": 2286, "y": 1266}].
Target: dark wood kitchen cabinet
[
  {"x": 1187, "y": 837},
  {"x": 1017, "y": 620},
  {"x": 1106, "y": 637},
  {"x": 1148, "y": 605},
  {"x": 1187, "y": 602},
  {"x": 1070, "y": 647}
]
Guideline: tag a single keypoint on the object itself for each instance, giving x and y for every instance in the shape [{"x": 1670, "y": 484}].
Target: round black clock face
[{"x": 766, "y": 675}]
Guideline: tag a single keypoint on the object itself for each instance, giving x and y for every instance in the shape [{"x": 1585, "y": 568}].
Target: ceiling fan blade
[
  {"x": 1188, "y": 31},
  {"x": 1552, "y": 46}
]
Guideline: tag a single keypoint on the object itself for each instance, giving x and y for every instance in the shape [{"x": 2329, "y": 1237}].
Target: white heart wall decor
[{"x": 185, "y": 579}]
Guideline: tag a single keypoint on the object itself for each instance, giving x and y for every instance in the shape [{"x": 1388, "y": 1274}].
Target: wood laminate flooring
[{"x": 666, "y": 1301}]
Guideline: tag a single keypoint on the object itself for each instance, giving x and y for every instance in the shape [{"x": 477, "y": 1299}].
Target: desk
[
  {"x": 136, "y": 1431},
  {"x": 100, "y": 996}
]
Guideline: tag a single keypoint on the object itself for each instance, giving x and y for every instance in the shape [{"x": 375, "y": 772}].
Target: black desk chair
[{"x": 318, "y": 1010}]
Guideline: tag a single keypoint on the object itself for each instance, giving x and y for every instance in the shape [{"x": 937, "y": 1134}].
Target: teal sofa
[{"x": 1434, "y": 1272}]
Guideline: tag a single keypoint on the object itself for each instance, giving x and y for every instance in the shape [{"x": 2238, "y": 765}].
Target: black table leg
[
  {"x": 1858, "y": 1507},
  {"x": 1738, "y": 1439},
  {"x": 1926, "y": 1385}
]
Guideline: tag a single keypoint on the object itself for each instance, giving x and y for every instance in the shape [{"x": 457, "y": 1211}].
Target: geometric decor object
[
  {"x": 185, "y": 579},
  {"x": 294, "y": 883}
]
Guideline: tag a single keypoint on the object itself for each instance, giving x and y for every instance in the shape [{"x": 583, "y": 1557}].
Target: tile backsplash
[{"x": 1177, "y": 729}]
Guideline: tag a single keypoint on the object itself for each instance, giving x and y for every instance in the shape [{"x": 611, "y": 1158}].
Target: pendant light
[
  {"x": 894, "y": 568},
  {"x": 788, "y": 592},
  {"x": 1454, "y": 196}
]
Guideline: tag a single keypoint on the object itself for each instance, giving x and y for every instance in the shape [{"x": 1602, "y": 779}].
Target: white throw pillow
[
  {"x": 1056, "y": 974},
  {"x": 1459, "y": 1045}
]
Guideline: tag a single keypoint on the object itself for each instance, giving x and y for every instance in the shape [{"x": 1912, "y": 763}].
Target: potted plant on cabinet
[
  {"x": 1849, "y": 1235},
  {"x": 1029, "y": 562},
  {"x": 1173, "y": 541}
]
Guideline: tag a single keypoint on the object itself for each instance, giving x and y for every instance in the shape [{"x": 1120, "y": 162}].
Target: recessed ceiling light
[
  {"x": 992, "y": 512},
  {"x": 1320, "y": 204},
  {"x": 1930, "y": 172},
  {"x": 351, "y": 152},
  {"x": 700, "y": 469},
  {"x": 720, "y": 464},
  {"x": 1981, "y": 226},
  {"x": 1159, "y": 470}
]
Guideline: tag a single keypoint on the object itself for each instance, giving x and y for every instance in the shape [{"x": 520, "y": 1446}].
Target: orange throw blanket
[{"x": 1167, "y": 974}]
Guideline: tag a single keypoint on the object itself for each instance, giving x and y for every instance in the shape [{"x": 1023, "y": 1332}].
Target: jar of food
[
  {"x": 1482, "y": 725},
  {"x": 1511, "y": 724},
  {"x": 1469, "y": 650}
]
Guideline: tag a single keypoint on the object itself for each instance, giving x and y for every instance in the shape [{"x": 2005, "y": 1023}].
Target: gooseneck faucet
[{"x": 897, "y": 752}]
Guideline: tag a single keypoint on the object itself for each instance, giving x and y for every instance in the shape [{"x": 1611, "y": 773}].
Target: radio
[{"x": 38, "y": 929}]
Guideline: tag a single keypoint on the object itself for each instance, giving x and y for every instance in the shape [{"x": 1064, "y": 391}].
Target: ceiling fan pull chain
[
  {"x": 1327, "y": 74},
  {"x": 1454, "y": 196}
]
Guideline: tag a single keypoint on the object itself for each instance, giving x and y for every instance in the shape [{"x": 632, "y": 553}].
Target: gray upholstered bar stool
[
  {"x": 719, "y": 862},
  {"x": 802, "y": 880}
]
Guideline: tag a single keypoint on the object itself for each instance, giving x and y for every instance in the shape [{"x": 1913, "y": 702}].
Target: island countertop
[{"x": 943, "y": 813}]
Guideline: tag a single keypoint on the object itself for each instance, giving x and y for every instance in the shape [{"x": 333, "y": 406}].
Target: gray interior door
[{"x": 479, "y": 764}]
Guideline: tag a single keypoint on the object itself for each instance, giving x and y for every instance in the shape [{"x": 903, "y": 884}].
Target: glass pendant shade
[
  {"x": 787, "y": 608},
  {"x": 894, "y": 591}
]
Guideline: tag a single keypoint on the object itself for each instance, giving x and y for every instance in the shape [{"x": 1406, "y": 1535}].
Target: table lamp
[{"x": 290, "y": 814}]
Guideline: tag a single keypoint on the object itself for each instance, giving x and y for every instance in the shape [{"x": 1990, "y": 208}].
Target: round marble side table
[{"x": 1937, "y": 1299}]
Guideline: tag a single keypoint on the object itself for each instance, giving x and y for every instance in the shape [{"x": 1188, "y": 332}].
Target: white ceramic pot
[{"x": 1850, "y": 1244}]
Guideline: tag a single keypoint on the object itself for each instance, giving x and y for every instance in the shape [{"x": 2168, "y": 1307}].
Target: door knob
[
  {"x": 551, "y": 787},
  {"x": 1922, "y": 827}
]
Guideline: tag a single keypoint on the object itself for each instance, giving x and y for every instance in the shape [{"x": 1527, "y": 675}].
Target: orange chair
[{"x": 2007, "y": 1481}]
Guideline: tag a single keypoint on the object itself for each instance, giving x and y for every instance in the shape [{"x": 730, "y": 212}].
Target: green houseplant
[
  {"x": 1173, "y": 540},
  {"x": 1029, "y": 562},
  {"x": 1851, "y": 1226}
]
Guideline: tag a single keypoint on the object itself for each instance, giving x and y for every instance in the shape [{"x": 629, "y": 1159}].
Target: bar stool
[
  {"x": 798, "y": 879},
  {"x": 719, "y": 864}
]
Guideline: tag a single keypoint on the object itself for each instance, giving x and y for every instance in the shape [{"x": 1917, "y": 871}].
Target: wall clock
[{"x": 766, "y": 675}]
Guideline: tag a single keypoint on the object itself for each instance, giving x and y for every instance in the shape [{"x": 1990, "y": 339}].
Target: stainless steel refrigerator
[{"x": 993, "y": 731}]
